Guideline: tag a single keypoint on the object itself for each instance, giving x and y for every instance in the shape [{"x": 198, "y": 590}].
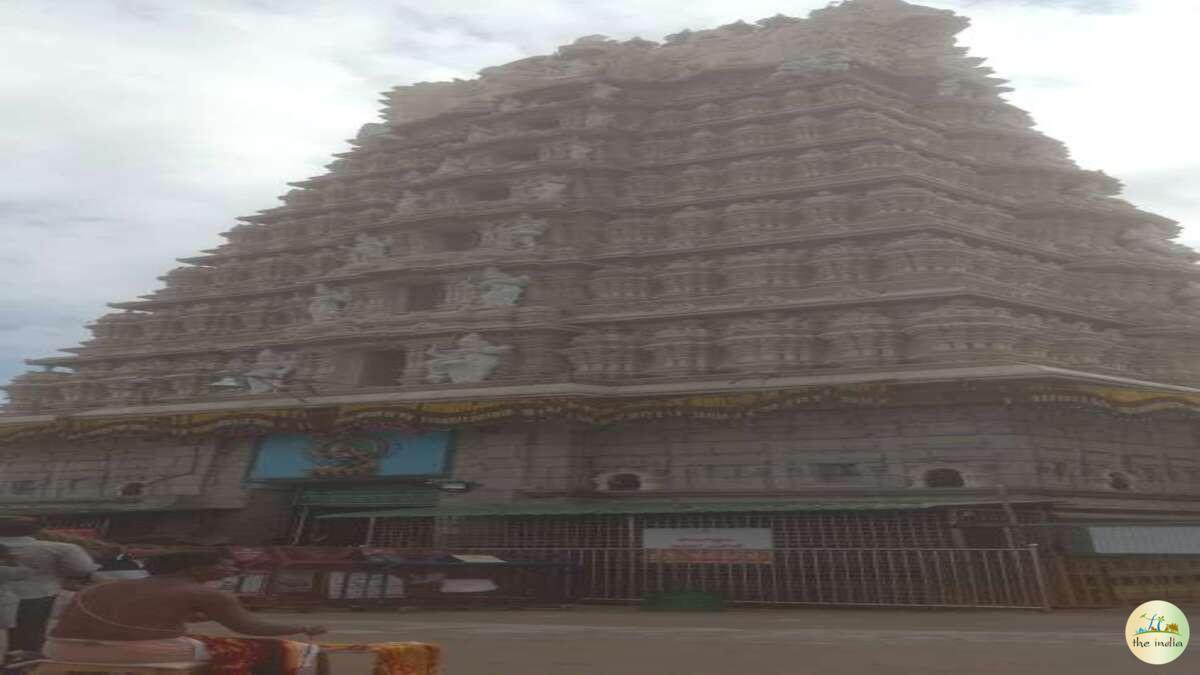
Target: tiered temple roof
[{"x": 847, "y": 193}]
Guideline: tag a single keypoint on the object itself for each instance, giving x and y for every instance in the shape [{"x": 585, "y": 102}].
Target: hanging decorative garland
[{"x": 596, "y": 411}]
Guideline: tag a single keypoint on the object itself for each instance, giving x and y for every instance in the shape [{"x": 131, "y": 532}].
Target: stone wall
[
  {"x": 876, "y": 453},
  {"x": 123, "y": 475},
  {"x": 1078, "y": 451}
]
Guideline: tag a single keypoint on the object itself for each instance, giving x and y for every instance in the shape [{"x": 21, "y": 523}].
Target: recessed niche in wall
[
  {"x": 1118, "y": 481},
  {"x": 382, "y": 367},
  {"x": 423, "y": 297},
  {"x": 943, "y": 478},
  {"x": 460, "y": 240}
]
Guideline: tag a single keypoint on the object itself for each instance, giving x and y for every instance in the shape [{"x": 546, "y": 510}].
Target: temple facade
[{"x": 813, "y": 275}]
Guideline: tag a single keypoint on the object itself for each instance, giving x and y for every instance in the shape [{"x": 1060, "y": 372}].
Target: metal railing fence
[{"x": 879, "y": 577}]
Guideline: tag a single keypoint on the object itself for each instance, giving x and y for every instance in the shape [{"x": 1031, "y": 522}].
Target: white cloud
[{"x": 135, "y": 131}]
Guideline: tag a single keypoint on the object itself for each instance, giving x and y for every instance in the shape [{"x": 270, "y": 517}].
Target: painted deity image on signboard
[
  {"x": 348, "y": 457},
  {"x": 355, "y": 455}
]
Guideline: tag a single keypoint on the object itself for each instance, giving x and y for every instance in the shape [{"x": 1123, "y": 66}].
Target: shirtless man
[{"x": 143, "y": 620}]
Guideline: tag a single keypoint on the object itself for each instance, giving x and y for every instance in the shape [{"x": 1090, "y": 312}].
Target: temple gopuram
[{"x": 813, "y": 278}]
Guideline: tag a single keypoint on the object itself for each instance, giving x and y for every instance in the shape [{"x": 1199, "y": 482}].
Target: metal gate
[{"x": 869, "y": 577}]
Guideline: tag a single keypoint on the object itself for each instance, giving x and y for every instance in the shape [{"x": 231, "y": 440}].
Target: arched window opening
[
  {"x": 1119, "y": 481},
  {"x": 944, "y": 478}
]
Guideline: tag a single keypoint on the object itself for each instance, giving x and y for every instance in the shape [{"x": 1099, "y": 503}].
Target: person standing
[
  {"x": 50, "y": 564},
  {"x": 145, "y": 621},
  {"x": 9, "y": 571}
]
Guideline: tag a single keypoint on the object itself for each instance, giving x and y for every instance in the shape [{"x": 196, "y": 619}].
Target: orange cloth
[
  {"x": 396, "y": 658},
  {"x": 252, "y": 656}
]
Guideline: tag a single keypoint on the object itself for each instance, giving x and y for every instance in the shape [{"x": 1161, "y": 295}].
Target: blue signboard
[{"x": 358, "y": 455}]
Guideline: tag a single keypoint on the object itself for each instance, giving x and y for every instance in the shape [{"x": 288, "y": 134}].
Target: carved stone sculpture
[
  {"x": 552, "y": 189},
  {"x": 410, "y": 201},
  {"x": 815, "y": 63},
  {"x": 327, "y": 303},
  {"x": 861, "y": 337},
  {"x": 604, "y": 353},
  {"x": 597, "y": 118},
  {"x": 473, "y": 359},
  {"x": 368, "y": 247},
  {"x": 270, "y": 371},
  {"x": 769, "y": 341},
  {"x": 681, "y": 349},
  {"x": 497, "y": 289},
  {"x": 579, "y": 150},
  {"x": 521, "y": 234}
]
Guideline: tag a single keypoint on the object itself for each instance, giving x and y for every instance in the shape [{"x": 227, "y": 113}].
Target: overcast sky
[{"x": 133, "y": 131}]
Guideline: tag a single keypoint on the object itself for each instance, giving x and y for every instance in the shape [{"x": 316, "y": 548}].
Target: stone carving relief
[
  {"x": 270, "y": 371},
  {"x": 899, "y": 200},
  {"x": 752, "y": 105},
  {"x": 686, "y": 277},
  {"x": 689, "y": 225},
  {"x": 768, "y": 341},
  {"x": 815, "y": 63},
  {"x": 803, "y": 129},
  {"x": 631, "y": 231},
  {"x": 681, "y": 349},
  {"x": 604, "y": 353},
  {"x": 478, "y": 134},
  {"x": 597, "y": 118},
  {"x": 962, "y": 327},
  {"x": 472, "y": 359},
  {"x": 552, "y": 189},
  {"x": 620, "y": 282},
  {"x": 490, "y": 288},
  {"x": 709, "y": 111},
  {"x": 761, "y": 270},
  {"x": 372, "y": 132},
  {"x": 579, "y": 150},
  {"x": 812, "y": 164},
  {"x": 861, "y": 336},
  {"x": 761, "y": 216},
  {"x": 327, "y": 303},
  {"x": 926, "y": 253},
  {"x": 603, "y": 91},
  {"x": 523, "y": 234},
  {"x": 411, "y": 201},
  {"x": 753, "y": 136},
  {"x": 840, "y": 263},
  {"x": 646, "y": 185},
  {"x": 763, "y": 170},
  {"x": 827, "y": 209},
  {"x": 368, "y": 248},
  {"x": 451, "y": 164},
  {"x": 497, "y": 289},
  {"x": 704, "y": 142}
]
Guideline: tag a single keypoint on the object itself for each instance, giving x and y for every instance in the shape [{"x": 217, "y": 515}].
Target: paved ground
[{"x": 626, "y": 641}]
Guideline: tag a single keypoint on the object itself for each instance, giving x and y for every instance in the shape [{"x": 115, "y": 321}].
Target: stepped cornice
[
  {"x": 838, "y": 296},
  {"x": 888, "y": 35},
  {"x": 426, "y": 263}
]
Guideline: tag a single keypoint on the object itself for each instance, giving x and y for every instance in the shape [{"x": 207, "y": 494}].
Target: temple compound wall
[{"x": 1088, "y": 465}]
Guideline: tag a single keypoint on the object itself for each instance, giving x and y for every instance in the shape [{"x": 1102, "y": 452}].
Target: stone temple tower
[{"x": 807, "y": 261}]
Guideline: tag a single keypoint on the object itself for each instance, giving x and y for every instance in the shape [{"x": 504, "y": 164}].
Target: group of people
[{"x": 120, "y": 613}]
